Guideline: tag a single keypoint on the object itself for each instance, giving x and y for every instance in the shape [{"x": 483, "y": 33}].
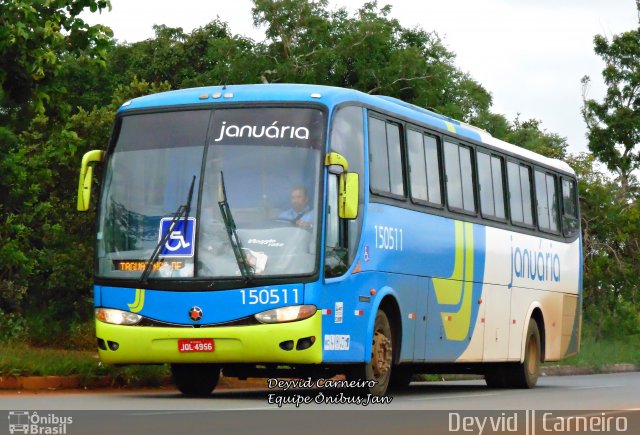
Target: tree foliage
[
  {"x": 614, "y": 123},
  {"x": 35, "y": 37}
]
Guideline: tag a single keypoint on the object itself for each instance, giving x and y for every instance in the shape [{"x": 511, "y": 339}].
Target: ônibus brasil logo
[{"x": 33, "y": 423}]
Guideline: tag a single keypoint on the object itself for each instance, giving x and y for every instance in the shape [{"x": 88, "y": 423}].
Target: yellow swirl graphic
[
  {"x": 458, "y": 288},
  {"x": 138, "y": 302}
]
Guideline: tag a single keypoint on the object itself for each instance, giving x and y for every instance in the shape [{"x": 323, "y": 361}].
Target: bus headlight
[
  {"x": 286, "y": 314},
  {"x": 117, "y": 317}
]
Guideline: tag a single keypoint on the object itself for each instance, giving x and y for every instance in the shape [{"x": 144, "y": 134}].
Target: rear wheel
[
  {"x": 197, "y": 380},
  {"x": 496, "y": 376},
  {"x": 525, "y": 374}
]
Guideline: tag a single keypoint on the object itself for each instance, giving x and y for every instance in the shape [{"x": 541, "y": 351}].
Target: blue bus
[{"x": 308, "y": 231}]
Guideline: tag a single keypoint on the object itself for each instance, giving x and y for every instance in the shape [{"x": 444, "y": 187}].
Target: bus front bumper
[{"x": 238, "y": 344}]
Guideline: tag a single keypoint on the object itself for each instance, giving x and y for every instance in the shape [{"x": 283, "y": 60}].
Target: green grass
[
  {"x": 23, "y": 360},
  {"x": 599, "y": 354}
]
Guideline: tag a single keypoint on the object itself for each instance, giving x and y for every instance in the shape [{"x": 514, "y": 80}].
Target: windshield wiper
[
  {"x": 183, "y": 210},
  {"x": 245, "y": 269}
]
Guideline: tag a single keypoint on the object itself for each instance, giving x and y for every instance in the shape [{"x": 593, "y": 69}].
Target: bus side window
[
  {"x": 347, "y": 139},
  {"x": 335, "y": 260},
  {"x": 519, "y": 177},
  {"x": 490, "y": 177},
  {"x": 547, "y": 201},
  {"x": 569, "y": 208},
  {"x": 424, "y": 168},
  {"x": 460, "y": 193},
  {"x": 385, "y": 157}
]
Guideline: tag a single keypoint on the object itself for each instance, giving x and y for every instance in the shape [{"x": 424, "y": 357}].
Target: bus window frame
[
  {"x": 534, "y": 216},
  {"x": 438, "y": 139},
  {"x": 503, "y": 179},
  {"x": 546, "y": 172},
  {"x": 474, "y": 188},
  {"x": 576, "y": 204},
  {"x": 403, "y": 161}
]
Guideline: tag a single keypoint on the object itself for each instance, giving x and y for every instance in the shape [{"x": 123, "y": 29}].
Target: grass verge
[
  {"x": 22, "y": 360},
  {"x": 597, "y": 355}
]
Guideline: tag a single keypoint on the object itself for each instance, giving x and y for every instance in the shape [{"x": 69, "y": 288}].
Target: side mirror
[
  {"x": 86, "y": 176},
  {"x": 348, "y": 196}
]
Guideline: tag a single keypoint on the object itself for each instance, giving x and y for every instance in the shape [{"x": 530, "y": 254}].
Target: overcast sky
[{"x": 529, "y": 54}]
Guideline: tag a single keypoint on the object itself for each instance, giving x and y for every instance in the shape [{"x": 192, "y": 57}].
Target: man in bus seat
[{"x": 300, "y": 214}]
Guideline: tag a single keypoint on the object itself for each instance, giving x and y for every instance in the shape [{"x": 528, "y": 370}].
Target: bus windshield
[{"x": 270, "y": 161}]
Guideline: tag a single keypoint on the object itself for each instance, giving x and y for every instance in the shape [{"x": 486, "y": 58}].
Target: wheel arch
[
  {"x": 534, "y": 315},
  {"x": 388, "y": 303}
]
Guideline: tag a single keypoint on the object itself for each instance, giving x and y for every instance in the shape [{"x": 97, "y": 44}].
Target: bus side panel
[
  {"x": 349, "y": 309},
  {"x": 449, "y": 256}
]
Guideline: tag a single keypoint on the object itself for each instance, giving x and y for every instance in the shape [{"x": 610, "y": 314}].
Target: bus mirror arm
[
  {"x": 336, "y": 162},
  {"x": 86, "y": 177}
]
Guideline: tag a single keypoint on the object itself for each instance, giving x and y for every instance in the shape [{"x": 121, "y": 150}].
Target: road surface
[{"x": 429, "y": 408}]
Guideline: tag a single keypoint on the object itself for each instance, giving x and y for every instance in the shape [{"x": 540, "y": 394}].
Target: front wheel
[
  {"x": 377, "y": 372},
  {"x": 197, "y": 380}
]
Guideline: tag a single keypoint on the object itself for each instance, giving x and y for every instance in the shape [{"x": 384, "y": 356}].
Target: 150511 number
[
  {"x": 269, "y": 296},
  {"x": 389, "y": 238}
]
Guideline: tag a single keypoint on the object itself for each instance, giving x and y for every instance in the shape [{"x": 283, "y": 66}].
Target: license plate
[{"x": 197, "y": 345}]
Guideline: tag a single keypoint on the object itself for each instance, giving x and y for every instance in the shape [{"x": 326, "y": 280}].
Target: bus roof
[{"x": 331, "y": 96}]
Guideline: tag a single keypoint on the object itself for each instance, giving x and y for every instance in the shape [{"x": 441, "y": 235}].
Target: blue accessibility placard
[{"x": 181, "y": 241}]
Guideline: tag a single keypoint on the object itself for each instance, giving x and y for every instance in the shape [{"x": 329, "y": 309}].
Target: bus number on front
[
  {"x": 389, "y": 238},
  {"x": 269, "y": 296}
]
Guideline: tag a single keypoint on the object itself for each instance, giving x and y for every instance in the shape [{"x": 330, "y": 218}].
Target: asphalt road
[{"x": 441, "y": 407}]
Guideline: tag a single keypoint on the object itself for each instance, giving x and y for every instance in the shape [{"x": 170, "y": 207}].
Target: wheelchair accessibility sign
[{"x": 182, "y": 239}]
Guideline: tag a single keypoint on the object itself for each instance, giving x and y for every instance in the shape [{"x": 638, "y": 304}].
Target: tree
[
  {"x": 35, "y": 40},
  {"x": 33, "y": 37},
  {"x": 614, "y": 124},
  {"x": 611, "y": 246},
  {"x": 370, "y": 51}
]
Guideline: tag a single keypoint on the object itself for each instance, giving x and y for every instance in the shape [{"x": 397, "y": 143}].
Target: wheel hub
[{"x": 382, "y": 357}]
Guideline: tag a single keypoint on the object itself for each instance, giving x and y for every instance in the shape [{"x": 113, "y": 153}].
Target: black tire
[
  {"x": 525, "y": 374},
  {"x": 496, "y": 377},
  {"x": 196, "y": 380},
  {"x": 380, "y": 366},
  {"x": 401, "y": 377}
]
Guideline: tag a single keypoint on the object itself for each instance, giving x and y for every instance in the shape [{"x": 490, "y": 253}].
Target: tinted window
[
  {"x": 459, "y": 187},
  {"x": 542, "y": 201},
  {"x": 515, "y": 195},
  {"x": 425, "y": 167},
  {"x": 433, "y": 169},
  {"x": 467, "y": 179},
  {"x": 417, "y": 167},
  {"x": 525, "y": 186},
  {"x": 487, "y": 204},
  {"x": 498, "y": 192},
  {"x": 552, "y": 198},
  {"x": 347, "y": 138},
  {"x": 452, "y": 170},
  {"x": 378, "y": 155},
  {"x": 569, "y": 207},
  {"x": 491, "y": 192},
  {"x": 395, "y": 159},
  {"x": 386, "y": 157}
]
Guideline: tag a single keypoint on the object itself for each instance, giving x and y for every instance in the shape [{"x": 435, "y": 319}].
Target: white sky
[{"x": 529, "y": 54}]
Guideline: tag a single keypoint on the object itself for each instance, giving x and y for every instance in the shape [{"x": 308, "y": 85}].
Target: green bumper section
[{"x": 237, "y": 344}]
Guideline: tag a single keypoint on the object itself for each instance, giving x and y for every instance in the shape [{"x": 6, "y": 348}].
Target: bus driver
[{"x": 300, "y": 213}]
